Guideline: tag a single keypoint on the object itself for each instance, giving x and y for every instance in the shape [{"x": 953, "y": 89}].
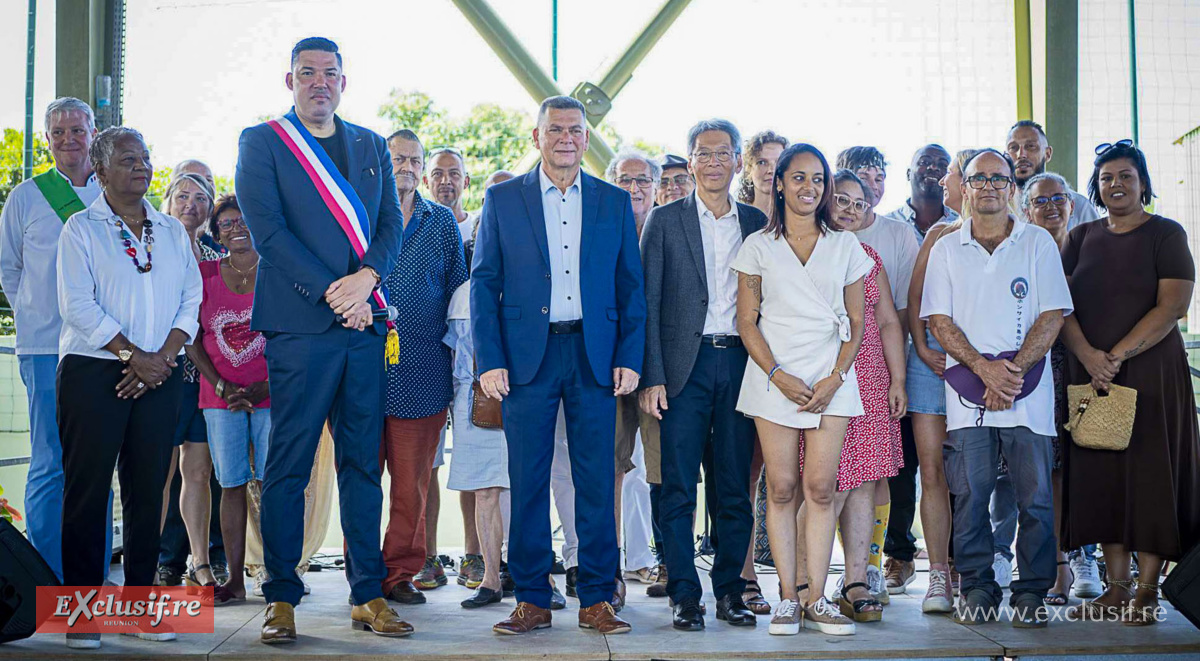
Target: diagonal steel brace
[{"x": 597, "y": 98}]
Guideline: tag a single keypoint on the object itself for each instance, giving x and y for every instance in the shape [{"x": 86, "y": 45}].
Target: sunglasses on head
[{"x": 1105, "y": 147}]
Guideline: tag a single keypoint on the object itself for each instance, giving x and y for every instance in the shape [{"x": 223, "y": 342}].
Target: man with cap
[{"x": 675, "y": 181}]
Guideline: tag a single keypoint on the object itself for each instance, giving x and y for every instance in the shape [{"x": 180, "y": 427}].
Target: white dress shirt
[
  {"x": 563, "y": 213},
  {"x": 101, "y": 293},
  {"x": 29, "y": 229},
  {"x": 722, "y": 238}
]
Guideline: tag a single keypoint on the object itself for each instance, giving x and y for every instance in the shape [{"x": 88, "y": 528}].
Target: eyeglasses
[
  {"x": 229, "y": 223},
  {"x": 1058, "y": 199},
  {"x": 845, "y": 202},
  {"x": 1105, "y": 147},
  {"x": 704, "y": 156},
  {"x": 642, "y": 182},
  {"x": 999, "y": 181},
  {"x": 680, "y": 180}
]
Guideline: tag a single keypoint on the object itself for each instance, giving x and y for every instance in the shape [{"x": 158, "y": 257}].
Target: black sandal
[
  {"x": 857, "y": 610},
  {"x": 755, "y": 601},
  {"x": 189, "y": 579},
  {"x": 1059, "y": 598}
]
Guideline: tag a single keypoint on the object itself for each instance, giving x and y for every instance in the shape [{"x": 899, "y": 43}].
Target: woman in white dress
[{"x": 801, "y": 316}]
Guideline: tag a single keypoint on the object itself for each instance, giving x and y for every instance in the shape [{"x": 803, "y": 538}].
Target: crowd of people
[{"x": 806, "y": 351}]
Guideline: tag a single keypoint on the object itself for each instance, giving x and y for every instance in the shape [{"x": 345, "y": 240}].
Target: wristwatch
[
  {"x": 125, "y": 355},
  {"x": 374, "y": 274},
  {"x": 841, "y": 374}
]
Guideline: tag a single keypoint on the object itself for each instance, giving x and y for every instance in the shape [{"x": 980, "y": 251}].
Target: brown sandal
[
  {"x": 755, "y": 600},
  {"x": 1141, "y": 616}
]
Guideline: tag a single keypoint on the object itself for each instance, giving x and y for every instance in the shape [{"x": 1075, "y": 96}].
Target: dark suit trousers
[
  {"x": 100, "y": 431},
  {"x": 899, "y": 542},
  {"x": 339, "y": 375},
  {"x": 704, "y": 412},
  {"x": 530, "y": 415}
]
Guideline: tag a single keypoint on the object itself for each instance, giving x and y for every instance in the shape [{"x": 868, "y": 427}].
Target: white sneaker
[
  {"x": 260, "y": 577},
  {"x": 156, "y": 637},
  {"x": 937, "y": 597},
  {"x": 877, "y": 584},
  {"x": 307, "y": 588},
  {"x": 825, "y": 617},
  {"x": 83, "y": 641},
  {"x": 1002, "y": 568},
  {"x": 785, "y": 621},
  {"x": 1087, "y": 577}
]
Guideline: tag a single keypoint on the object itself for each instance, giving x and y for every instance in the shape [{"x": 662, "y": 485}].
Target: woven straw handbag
[{"x": 1098, "y": 421}]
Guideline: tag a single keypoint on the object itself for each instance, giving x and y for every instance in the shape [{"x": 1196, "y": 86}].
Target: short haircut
[
  {"x": 438, "y": 151},
  {"x": 100, "y": 154},
  {"x": 224, "y": 203},
  {"x": 924, "y": 147},
  {"x": 1029, "y": 123},
  {"x": 775, "y": 224},
  {"x": 723, "y": 125},
  {"x": 1012, "y": 169},
  {"x": 407, "y": 134},
  {"x": 561, "y": 103},
  {"x": 1138, "y": 159},
  {"x": 69, "y": 104},
  {"x": 315, "y": 43},
  {"x": 179, "y": 180},
  {"x": 632, "y": 155},
  {"x": 844, "y": 175},
  {"x": 1026, "y": 191},
  {"x": 856, "y": 158}
]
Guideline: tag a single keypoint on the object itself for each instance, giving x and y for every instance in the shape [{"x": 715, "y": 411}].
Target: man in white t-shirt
[{"x": 997, "y": 285}]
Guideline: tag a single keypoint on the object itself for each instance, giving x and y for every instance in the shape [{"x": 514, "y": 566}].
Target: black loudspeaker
[
  {"x": 22, "y": 569},
  {"x": 1182, "y": 587}
]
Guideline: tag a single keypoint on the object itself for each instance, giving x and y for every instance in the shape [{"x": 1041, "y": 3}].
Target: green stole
[{"x": 59, "y": 193}]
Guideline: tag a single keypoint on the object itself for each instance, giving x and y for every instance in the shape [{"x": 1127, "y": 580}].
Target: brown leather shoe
[
  {"x": 376, "y": 617},
  {"x": 525, "y": 618},
  {"x": 279, "y": 625},
  {"x": 659, "y": 587},
  {"x": 618, "y": 598},
  {"x": 602, "y": 618},
  {"x": 406, "y": 592}
]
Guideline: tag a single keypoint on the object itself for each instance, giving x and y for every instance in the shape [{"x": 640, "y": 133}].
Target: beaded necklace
[{"x": 147, "y": 240}]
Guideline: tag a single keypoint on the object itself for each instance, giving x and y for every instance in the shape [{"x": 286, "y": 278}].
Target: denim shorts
[
  {"x": 190, "y": 427},
  {"x": 926, "y": 390},
  {"x": 231, "y": 434}
]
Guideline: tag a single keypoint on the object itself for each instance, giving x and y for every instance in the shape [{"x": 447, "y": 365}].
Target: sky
[{"x": 892, "y": 73}]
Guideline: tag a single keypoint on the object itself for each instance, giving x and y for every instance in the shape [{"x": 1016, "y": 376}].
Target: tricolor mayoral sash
[{"x": 340, "y": 199}]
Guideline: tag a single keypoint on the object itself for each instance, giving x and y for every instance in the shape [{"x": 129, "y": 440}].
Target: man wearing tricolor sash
[
  {"x": 320, "y": 200},
  {"x": 32, "y": 219}
]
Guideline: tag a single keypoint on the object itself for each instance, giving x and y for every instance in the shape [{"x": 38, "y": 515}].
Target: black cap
[{"x": 673, "y": 161}]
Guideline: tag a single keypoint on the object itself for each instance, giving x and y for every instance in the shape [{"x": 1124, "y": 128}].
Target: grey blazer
[{"x": 677, "y": 288}]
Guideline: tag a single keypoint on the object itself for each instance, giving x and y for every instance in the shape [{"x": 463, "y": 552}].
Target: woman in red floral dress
[{"x": 872, "y": 449}]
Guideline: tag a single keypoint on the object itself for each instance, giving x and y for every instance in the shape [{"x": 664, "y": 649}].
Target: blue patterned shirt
[{"x": 430, "y": 268}]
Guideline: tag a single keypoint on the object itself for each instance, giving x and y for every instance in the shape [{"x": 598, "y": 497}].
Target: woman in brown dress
[{"x": 1131, "y": 277}]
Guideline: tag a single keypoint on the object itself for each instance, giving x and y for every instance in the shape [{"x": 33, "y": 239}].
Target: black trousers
[
  {"x": 704, "y": 413},
  {"x": 100, "y": 431},
  {"x": 899, "y": 543}
]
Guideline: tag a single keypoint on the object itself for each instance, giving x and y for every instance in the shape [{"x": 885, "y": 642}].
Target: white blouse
[{"x": 101, "y": 293}]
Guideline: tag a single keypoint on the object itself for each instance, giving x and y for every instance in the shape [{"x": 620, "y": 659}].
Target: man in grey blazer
[{"x": 693, "y": 370}]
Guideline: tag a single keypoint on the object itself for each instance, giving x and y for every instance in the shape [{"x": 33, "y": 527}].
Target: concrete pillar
[
  {"x": 1062, "y": 87},
  {"x": 85, "y": 43}
]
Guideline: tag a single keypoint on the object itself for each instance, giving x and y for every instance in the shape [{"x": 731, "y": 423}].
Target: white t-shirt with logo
[
  {"x": 897, "y": 247},
  {"x": 995, "y": 299}
]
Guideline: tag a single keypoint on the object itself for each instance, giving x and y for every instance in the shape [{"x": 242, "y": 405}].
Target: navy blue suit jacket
[
  {"x": 303, "y": 248},
  {"x": 510, "y": 280}
]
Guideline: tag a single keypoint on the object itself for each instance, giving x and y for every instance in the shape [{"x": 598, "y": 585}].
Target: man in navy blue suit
[
  {"x": 319, "y": 198},
  {"x": 558, "y": 313}
]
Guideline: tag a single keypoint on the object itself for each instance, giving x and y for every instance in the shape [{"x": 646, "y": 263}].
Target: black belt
[
  {"x": 564, "y": 327},
  {"x": 722, "y": 341}
]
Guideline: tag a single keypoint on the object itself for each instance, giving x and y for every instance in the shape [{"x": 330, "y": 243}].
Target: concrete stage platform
[{"x": 447, "y": 631}]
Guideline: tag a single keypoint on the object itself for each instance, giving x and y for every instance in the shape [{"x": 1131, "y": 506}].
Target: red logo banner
[{"x": 116, "y": 609}]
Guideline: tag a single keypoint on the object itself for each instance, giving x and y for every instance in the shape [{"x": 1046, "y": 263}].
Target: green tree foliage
[
  {"x": 12, "y": 155},
  {"x": 490, "y": 137}
]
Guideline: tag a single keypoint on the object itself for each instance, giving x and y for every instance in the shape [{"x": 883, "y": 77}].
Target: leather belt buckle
[{"x": 723, "y": 341}]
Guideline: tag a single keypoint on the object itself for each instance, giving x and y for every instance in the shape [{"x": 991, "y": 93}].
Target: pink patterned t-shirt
[{"x": 235, "y": 350}]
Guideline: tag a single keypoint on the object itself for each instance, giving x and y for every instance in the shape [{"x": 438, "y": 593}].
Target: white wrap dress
[{"x": 803, "y": 319}]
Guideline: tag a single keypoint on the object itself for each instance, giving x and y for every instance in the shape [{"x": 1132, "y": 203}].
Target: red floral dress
[{"x": 872, "y": 449}]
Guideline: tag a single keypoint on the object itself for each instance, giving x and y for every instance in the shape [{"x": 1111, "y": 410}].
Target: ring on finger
[{"x": 141, "y": 385}]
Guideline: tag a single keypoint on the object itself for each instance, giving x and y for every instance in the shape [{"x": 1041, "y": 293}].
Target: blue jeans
[
  {"x": 231, "y": 435},
  {"x": 971, "y": 456},
  {"x": 44, "y": 485}
]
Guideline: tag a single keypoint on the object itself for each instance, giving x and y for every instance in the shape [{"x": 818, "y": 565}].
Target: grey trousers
[{"x": 971, "y": 456}]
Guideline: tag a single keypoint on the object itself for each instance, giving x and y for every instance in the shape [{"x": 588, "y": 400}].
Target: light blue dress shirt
[{"x": 563, "y": 213}]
